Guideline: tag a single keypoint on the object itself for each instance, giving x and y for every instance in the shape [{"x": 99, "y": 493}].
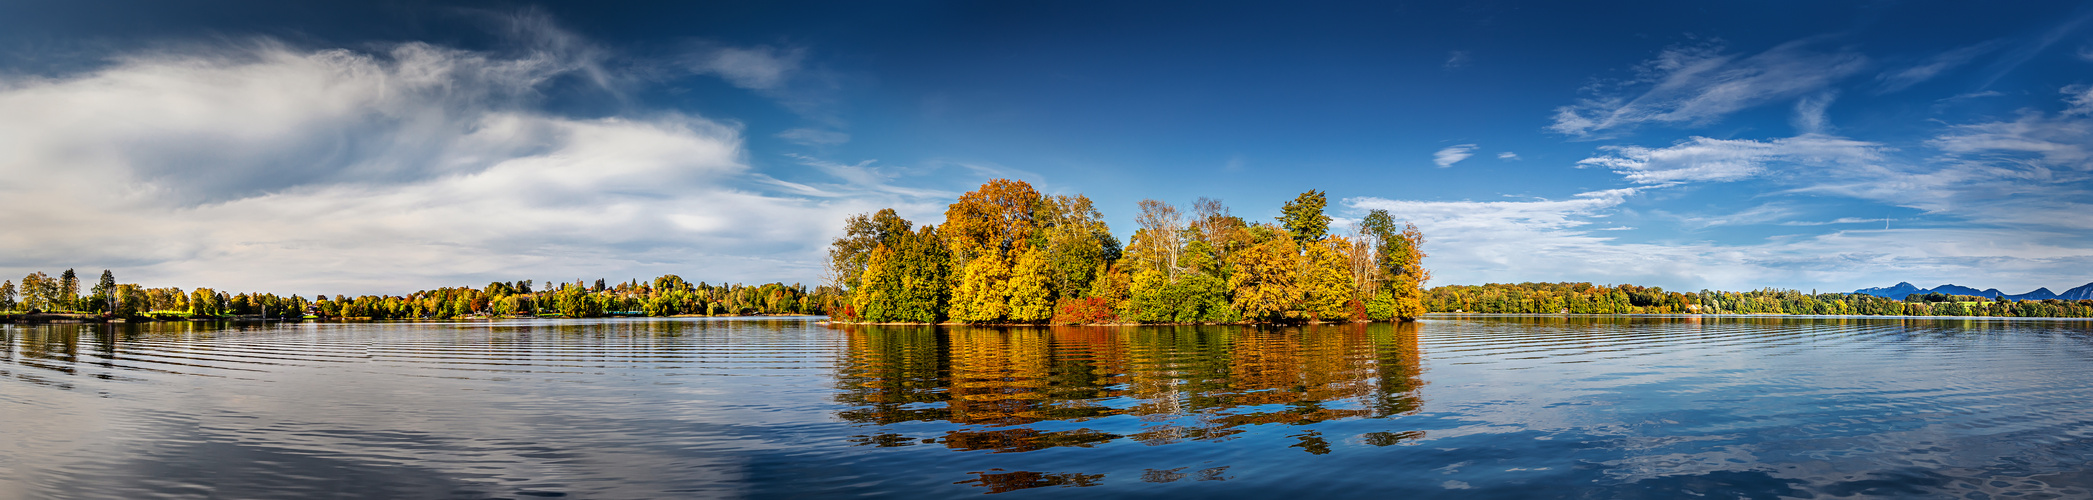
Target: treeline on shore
[
  {"x": 664, "y": 296},
  {"x": 1586, "y": 298},
  {"x": 1007, "y": 254}
]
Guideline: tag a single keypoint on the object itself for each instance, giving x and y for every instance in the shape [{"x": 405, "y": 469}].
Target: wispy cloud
[
  {"x": 1701, "y": 159},
  {"x": 1811, "y": 111},
  {"x": 1932, "y": 67},
  {"x": 1841, "y": 220},
  {"x": 1458, "y": 59},
  {"x": 1692, "y": 85},
  {"x": 1508, "y": 156},
  {"x": 814, "y": 137},
  {"x": 758, "y": 67},
  {"x": 1453, "y": 154}
]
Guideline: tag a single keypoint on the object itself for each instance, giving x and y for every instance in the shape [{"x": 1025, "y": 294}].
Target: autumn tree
[
  {"x": 994, "y": 219},
  {"x": 1031, "y": 287},
  {"x": 68, "y": 291},
  {"x": 1325, "y": 280},
  {"x": 985, "y": 231},
  {"x": 1160, "y": 239},
  {"x": 1222, "y": 233},
  {"x": 1265, "y": 276},
  {"x": 7, "y": 296},
  {"x": 38, "y": 291}
]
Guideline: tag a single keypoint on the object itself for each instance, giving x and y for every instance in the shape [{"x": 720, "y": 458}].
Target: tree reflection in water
[{"x": 1179, "y": 383}]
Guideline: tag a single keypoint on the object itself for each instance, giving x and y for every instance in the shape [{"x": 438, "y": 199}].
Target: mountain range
[{"x": 1902, "y": 289}]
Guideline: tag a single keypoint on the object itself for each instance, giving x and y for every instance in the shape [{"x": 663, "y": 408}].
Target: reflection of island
[{"x": 1184, "y": 383}]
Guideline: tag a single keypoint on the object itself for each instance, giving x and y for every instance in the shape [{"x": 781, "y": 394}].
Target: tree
[
  {"x": 983, "y": 295},
  {"x": 984, "y": 232},
  {"x": 849, "y": 254},
  {"x": 7, "y": 296},
  {"x": 1326, "y": 281},
  {"x": 1265, "y": 277},
  {"x": 105, "y": 291},
  {"x": 1304, "y": 217},
  {"x": 1031, "y": 294},
  {"x": 38, "y": 291},
  {"x": 1160, "y": 239},
  {"x": 996, "y": 219},
  {"x": 68, "y": 291},
  {"x": 1223, "y": 233},
  {"x": 1077, "y": 243}
]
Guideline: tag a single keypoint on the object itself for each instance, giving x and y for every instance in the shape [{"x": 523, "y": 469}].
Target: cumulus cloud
[
  {"x": 262, "y": 166},
  {"x": 1453, "y": 154},
  {"x": 1697, "y": 84}
]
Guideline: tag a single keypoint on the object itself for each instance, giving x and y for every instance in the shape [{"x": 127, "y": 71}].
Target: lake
[{"x": 1451, "y": 407}]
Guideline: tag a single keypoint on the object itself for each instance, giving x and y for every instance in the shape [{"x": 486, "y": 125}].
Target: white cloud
[
  {"x": 1458, "y": 59},
  {"x": 1508, "y": 156},
  {"x": 1701, "y": 159},
  {"x": 1932, "y": 67},
  {"x": 1810, "y": 113},
  {"x": 1990, "y": 213},
  {"x": 1556, "y": 240},
  {"x": 1698, "y": 84},
  {"x": 814, "y": 137},
  {"x": 1453, "y": 154},
  {"x": 757, "y": 68},
  {"x": 266, "y": 167},
  {"x": 1841, "y": 220}
]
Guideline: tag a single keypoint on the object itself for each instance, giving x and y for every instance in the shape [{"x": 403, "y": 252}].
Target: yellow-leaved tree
[
  {"x": 1326, "y": 280},
  {"x": 1265, "y": 276},
  {"x": 1031, "y": 297},
  {"x": 986, "y": 230},
  {"x": 983, "y": 295}
]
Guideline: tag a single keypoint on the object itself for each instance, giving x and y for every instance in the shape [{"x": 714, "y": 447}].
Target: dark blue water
[{"x": 1510, "y": 407}]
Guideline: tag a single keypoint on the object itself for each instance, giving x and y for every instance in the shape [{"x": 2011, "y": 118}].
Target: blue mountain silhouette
[{"x": 1902, "y": 289}]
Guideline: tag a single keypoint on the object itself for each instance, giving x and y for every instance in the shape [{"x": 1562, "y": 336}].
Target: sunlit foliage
[{"x": 1017, "y": 256}]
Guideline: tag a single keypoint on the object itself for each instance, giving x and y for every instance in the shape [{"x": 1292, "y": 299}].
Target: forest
[
  {"x": 664, "y": 296},
  {"x": 1007, "y": 254},
  {"x": 1586, "y": 298}
]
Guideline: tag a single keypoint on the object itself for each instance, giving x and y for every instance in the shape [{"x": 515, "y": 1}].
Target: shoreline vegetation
[{"x": 1008, "y": 255}]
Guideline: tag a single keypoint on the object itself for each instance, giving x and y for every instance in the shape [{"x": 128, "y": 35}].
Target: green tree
[
  {"x": 1077, "y": 242},
  {"x": 850, "y": 254},
  {"x": 105, "y": 292},
  {"x": 1304, "y": 218}
]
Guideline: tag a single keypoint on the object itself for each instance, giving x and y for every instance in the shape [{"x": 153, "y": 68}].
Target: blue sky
[{"x": 368, "y": 147}]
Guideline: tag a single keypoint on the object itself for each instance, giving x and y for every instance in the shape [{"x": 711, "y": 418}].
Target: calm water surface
[{"x": 1500, "y": 407}]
